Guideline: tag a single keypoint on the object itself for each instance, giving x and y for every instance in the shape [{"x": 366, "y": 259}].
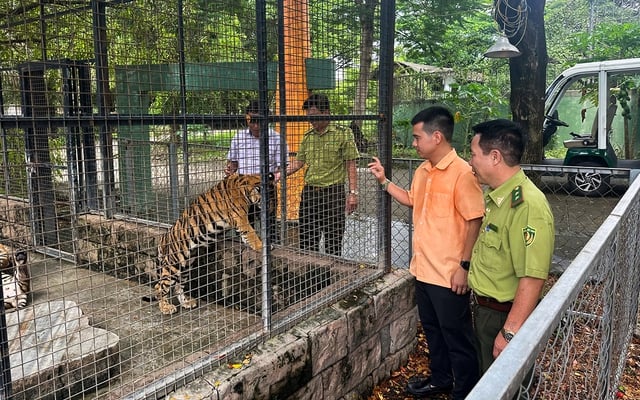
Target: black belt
[{"x": 489, "y": 302}]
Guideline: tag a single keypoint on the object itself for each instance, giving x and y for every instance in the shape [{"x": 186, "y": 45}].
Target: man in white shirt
[
  {"x": 244, "y": 158},
  {"x": 244, "y": 153}
]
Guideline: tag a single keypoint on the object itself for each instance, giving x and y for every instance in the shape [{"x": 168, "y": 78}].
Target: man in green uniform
[
  {"x": 511, "y": 258},
  {"x": 330, "y": 153}
]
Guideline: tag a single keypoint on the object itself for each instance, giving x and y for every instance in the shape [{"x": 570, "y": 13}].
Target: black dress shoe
[{"x": 424, "y": 387}]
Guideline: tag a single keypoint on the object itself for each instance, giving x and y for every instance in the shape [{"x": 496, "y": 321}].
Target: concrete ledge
[
  {"x": 54, "y": 353},
  {"x": 341, "y": 352}
]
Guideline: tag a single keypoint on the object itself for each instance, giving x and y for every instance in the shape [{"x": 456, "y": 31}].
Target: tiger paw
[
  {"x": 250, "y": 256},
  {"x": 167, "y": 308},
  {"x": 189, "y": 303}
]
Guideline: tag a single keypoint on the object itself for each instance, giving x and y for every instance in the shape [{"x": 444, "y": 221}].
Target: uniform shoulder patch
[
  {"x": 529, "y": 235},
  {"x": 516, "y": 196}
]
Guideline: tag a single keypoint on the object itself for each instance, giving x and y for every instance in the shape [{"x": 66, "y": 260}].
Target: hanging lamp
[{"x": 502, "y": 48}]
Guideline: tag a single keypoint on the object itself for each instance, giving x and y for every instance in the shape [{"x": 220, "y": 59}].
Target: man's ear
[
  {"x": 496, "y": 156},
  {"x": 439, "y": 137}
]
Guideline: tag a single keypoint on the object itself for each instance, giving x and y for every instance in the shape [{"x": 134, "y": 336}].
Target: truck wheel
[{"x": 587, "y": 183}]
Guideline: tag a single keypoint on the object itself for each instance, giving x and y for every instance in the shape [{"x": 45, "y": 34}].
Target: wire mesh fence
[
  {"x": 576, "y": 217},
  {"x": 149, "y": 257}
]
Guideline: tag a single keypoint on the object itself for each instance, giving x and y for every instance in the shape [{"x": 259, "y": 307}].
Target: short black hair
[
  {"x": 317, "y": 100},
  {"x": 503, "y": 135},
  {"x": 253, "y": 107},
  {"x": 436, "y": 118}
]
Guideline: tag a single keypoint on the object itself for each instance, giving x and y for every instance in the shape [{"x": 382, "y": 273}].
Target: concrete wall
[
  {"x": 124, "y": 249},
  {"x": 340, "y": 353}
]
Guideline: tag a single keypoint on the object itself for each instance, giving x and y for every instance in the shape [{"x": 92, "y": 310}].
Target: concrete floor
[{"x": 151, "y": 345}]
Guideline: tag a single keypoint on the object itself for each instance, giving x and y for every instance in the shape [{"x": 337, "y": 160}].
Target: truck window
[{"x": 578, "y": 108}]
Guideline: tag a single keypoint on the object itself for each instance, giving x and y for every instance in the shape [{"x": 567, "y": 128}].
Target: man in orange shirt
[{"x": 448, "y": 206}]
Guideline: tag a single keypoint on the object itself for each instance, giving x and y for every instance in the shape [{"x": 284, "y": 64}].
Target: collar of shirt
[
  {"x": 444, "y": 163},
  {"x": 503, "y": 192},
  {"x": 328, "y": 129},
  {"x": 247, "y": 133}
]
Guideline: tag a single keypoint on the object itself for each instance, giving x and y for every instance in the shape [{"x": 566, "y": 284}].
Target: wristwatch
[
  {"x": 507, "y": 335},
  {"x": 353, "y": 192},
  {"x": 465, "y": 264}
]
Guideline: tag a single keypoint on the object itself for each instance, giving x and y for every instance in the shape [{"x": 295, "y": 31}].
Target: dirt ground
[{"x": 418, "y": 365}]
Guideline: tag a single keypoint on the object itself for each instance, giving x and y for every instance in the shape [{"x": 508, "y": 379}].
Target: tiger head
[
  {"x": 254, "y": 189},
  {"x": 10, "y": 259},
  {"x": 251, "y": 185}
]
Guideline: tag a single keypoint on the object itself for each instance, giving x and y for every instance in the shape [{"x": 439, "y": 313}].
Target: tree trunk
[
  {"x": 366, "y": 12},
  {"x": 528, "y": 74}
]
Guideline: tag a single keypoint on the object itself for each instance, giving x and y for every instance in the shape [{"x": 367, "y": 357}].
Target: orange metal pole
[{"x": 297, "y": 50}]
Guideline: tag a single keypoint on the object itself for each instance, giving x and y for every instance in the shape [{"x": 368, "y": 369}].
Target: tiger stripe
[
  {"x": 16, "y": 279},
  {"x": 224, "y": 206}
]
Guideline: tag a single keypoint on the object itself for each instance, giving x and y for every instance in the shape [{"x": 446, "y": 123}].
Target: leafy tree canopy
[
  {"x": 589, "y": 30},
  {"x": 436, "y": 31}
]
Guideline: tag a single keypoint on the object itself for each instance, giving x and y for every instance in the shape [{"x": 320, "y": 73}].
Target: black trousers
[
  {"x": 446, "y": 320},
  {"x": 322, "y": 212}
]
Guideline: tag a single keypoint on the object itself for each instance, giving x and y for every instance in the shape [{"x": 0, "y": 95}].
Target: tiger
[
  {"x": 224, "y": 206},
  {"x": 16, "y": 280}
]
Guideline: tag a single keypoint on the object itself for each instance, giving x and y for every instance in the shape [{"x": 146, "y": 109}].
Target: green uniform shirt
[
  {"x": 326, "y": 153},
  {"x": 516, "y": 239}
]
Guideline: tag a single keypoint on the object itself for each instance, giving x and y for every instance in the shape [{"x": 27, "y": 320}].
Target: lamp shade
[{"x": 502, "y": 49}]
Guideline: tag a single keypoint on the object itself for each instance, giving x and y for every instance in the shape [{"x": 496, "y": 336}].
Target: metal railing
[{"x": 576, "y": 340}]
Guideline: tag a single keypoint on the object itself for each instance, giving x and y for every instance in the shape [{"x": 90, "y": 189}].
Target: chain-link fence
[{"x": 576, "y": 217}]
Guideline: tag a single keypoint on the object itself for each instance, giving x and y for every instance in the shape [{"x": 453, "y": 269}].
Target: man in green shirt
[
  {"x": 510, "y": 260},
  {"x": 330, "y": 153}
]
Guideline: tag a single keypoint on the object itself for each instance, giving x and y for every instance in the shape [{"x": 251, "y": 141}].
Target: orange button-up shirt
[{"x": 443, "y": 198}]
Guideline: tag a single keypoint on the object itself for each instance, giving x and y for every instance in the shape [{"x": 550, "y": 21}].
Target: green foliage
[
  {"x": 216, "y": 138},
  {"x": 562, "y": 18},
  {"x": 624, "y": 95},
  {"x": 479, "y": 101},
  {"x": 444, "y": 33},
  {"x": 402, "y": 129},
  {"x": 216, "y": 143},
  {"x": 454, "y": 35},
  {"x": 15, "y": 171},
  {"x": 609, "y": 41},
  {"x": 555, "y": 150},
  {"x": 579, "y": 31},
  {"x": 337, "y": 24},
  {"x": 471, "y": 103},
  {"x": 430, "y": 31}
]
